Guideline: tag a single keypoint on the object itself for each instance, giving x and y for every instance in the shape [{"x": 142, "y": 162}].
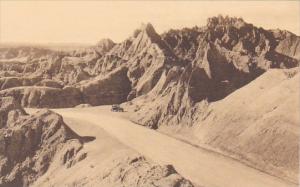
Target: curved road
[{"x": 198, "y": 165}]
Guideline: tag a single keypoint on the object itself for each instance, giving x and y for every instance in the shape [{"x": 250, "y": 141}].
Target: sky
[{"x": 89, "y": 21}]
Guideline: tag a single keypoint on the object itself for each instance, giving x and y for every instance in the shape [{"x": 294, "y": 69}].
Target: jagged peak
[
  {"x": 146, "y": 28},
  {"x": 147, "y": 31},
  {"x": 225, "y": 20}
]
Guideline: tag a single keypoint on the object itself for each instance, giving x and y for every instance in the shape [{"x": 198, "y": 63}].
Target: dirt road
[{"x": 198, "y": 165}]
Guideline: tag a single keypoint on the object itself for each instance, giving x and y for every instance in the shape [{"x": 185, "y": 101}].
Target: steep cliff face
[{"x": 29, "y": 144}]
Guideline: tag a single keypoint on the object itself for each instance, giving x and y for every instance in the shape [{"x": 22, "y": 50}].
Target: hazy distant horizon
[
  {"x": 86, "y": 22},
  {"x": 46, "y": 43}
]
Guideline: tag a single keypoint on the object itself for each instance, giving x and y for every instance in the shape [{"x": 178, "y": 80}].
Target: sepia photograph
[{"x": 162, "y": 93}]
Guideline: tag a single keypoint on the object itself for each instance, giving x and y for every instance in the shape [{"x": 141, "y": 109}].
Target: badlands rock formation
[
  {"x": 219, "y": 81},
  {"x": 111, "y": 88},
  {"x": 229, "y": 54},
  {"x": 200, "y": 63},
  {"x": 29, "y": 143}
]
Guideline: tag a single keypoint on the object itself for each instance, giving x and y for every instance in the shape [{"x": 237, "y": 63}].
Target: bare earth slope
[{"x": 258, "y": 123}]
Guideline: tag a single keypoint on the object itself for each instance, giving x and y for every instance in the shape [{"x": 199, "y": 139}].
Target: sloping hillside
[{"x": 258, "y": 123}]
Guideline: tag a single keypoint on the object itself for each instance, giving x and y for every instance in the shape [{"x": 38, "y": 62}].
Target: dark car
[{"x": 116, "y": 108}]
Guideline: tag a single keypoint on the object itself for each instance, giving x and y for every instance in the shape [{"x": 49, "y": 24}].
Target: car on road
[{"x": 116, "y": 108}]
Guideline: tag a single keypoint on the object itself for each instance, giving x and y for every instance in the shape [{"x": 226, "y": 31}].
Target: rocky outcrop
[
  {"x": 135, "y": 171},
  {"x": 29, "y": 143}
]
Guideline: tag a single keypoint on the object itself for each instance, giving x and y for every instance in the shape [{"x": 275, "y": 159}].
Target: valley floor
[{"x": 200, "y": 166}]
